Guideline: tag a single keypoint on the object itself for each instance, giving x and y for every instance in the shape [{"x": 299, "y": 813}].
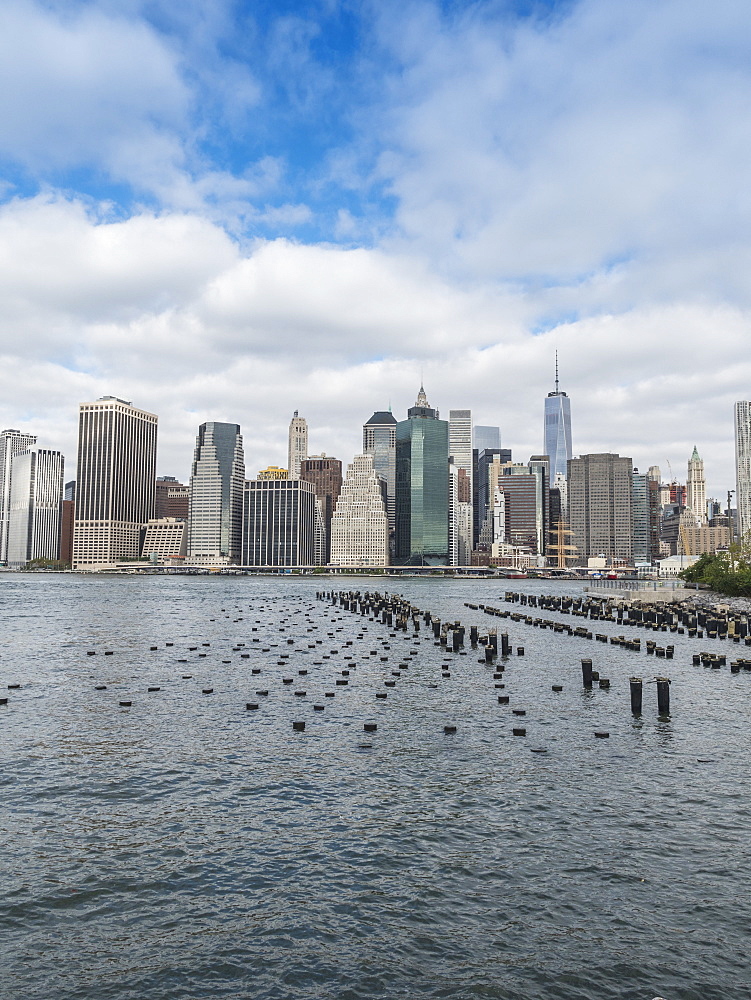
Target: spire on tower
[
  {"x": 556, "y": 371},
  {"x": 422, "y": 399}
]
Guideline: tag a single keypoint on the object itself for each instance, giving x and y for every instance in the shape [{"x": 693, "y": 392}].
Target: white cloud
[
  {"x": 170, "y": 313},
  {"x": 547, "y": 152}
]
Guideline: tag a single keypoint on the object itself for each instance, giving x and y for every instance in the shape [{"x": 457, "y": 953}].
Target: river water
[{"x": 185, "y": 847}]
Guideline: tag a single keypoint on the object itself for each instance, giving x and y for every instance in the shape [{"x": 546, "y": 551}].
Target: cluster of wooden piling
[{"x": 657, "y": 616}]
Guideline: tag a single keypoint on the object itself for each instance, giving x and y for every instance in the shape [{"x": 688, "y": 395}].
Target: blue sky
[{"x": 234, "y": 210}]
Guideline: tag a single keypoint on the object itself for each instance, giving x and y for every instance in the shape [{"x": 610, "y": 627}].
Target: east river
[{"x": 187, "y": 847}]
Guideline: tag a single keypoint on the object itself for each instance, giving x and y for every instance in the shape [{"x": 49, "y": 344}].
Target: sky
[{"x": 230, "y": 211}]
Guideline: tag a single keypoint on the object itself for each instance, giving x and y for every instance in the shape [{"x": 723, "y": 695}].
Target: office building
[
  {"x": 67, "y": 523},
  {"x": 743, "y": 467},
  {"x": 278, "y": 523},
  {"x": 165, "y": 538},
  {"x": 645, "y": 511},
  {"x": 273, "y": 472},
  {"x": 70, "y": 490},
  {"x": 601, "y": 506},
  {"x": 460, "y": 516},
  {"x": 379, "y": 441},
  {"x": 422, "y": 487},
  {"x": 486, "y": 438},
  {"x": 325, "y": 475},
  {"x": 171, "y": 498},
  {"x": 297, "y": 445},
  {"x": 12, "y": 443},
  {"x": 360, "y": 528},
  {"x": 35, "y": 511},
  {"x": 481, "y": 499},
  {"x": 115, "y": 481},
  {"x": 217, "y": 478},
  {"x": 522, "y": 491},
  {"x": 698, "y": 540},
  {"x": 558, "y": 429},
  {"x": 460, "y": 441},
  {"x": 696, "y": 488}
]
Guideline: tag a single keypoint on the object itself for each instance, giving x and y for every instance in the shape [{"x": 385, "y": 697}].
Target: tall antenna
[{"x": 556, "y": 372}]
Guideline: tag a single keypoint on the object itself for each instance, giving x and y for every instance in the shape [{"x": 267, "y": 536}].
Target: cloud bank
[{"x": 484, "y": 189}]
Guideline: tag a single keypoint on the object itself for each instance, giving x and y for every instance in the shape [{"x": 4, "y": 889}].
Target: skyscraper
[
  {"x": 297, "y": 445},
  {"x": 557, "y": 429},
  {"x": 601, "y": 506},
  {"x": 278, "y": 523},
  {"x": 485, "y": 438},
  {"x": 422, "y": 487},
  {"x": 11, "y": 444},
  {"x": 325, "y": 475},
  {"x": 115, "y": 481},
  {"x": 379, "y": 441},
  {"x": 215, "y": 512},
  {"x": 743, "y": 467},
  {"x": 171, "y": 498},
  {"x": 36, "y": 501},
  {"x": 696, "y": 487},
  {"x": 359, "y": 528},
  {"x": 460, "y": 439},
  {"x": 645, "y": 513}
]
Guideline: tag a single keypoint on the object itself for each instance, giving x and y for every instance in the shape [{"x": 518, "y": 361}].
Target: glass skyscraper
[
  {"x": 558, "y": 430},
  {"x": 422, "y": 487},
  {"x": 216, "y": 495},
  {"x": 379, "y": 441}
]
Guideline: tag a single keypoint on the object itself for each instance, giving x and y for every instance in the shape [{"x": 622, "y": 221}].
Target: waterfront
[{"x": 186, "y": 848}]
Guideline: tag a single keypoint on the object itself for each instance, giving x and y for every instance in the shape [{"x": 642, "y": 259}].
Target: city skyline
[
  {"x": 308, "y": 206},
  {"x": 276, "y": 453}
]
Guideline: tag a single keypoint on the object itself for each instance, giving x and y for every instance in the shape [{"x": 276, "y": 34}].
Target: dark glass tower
[
  {"x": 557, "y": 430},
  {"x": 422, "y": 487},
  {"x": 379, "y": 440}
]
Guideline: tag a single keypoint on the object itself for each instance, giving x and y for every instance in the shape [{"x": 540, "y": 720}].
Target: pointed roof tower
[{"x": 422, "y": 407}]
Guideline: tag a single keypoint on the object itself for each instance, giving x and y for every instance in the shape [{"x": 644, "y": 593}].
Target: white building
[
  {"x": 215, "y": 510},
  {"x": 165, "y": 538},
  {"x": 696, "y": 488},
  {"x": 460, "y": 521},
  {"x": 743, "y": 466},
  {"x": 460, "y": 441},
  {"x": 36, "y": 504},
  {"x": 297, "y": 445},
  {"x": 12, "y": 443},
  {"x": 359, "y": 527},
  {"x": 116, "y": 481}
]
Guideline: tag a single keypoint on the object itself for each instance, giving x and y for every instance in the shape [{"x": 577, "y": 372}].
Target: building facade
[
  {"x": 360, "y": 527},
  {"x": 165, "y": 538},
  {"x": 646, "y": 516},
  {"x": 36, "y": 504},
  {"x": 696, "y": 488},
  {"x": 422, "y": 487},
  {"x": 557, "y": 432},
  {"x": 12, "y": 443},
  {"x": 325, "y": 476},
  {"x": 460, "y": 441},
  {"x": 171, "y": 498},
  {"x": 217, "y": 479},
  {"x": 743, "y": 467},
  {"x": 379, "y": 441},
  {"x": 114, "y": 482},
  {"x": 278, "y": 523},
  {"x": 601, "y": 507},
  {"x": 273, "y": 472},
  {"x": 486, "y": 438},
  {"x": 297, "y": 445}
]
